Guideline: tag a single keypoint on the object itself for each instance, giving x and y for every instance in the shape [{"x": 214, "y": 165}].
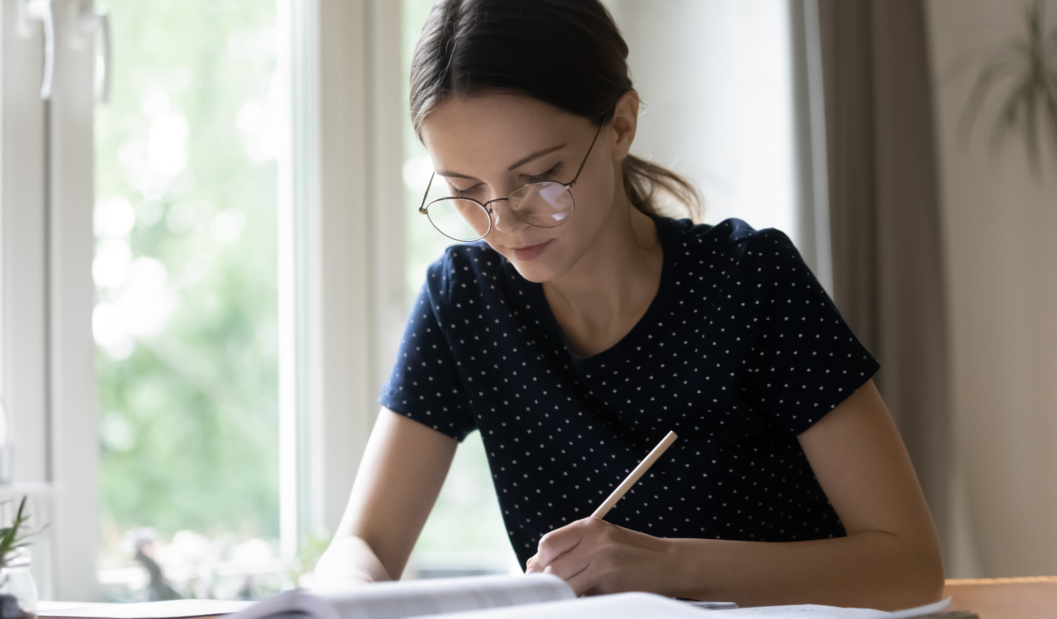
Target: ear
[{"x": 625, "y": 121}]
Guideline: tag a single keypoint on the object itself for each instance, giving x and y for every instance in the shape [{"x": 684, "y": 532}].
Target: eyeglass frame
[{"x": 424, "y": 208}]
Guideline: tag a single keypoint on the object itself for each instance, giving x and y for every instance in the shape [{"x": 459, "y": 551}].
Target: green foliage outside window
[{"x": 186, "y": 272}]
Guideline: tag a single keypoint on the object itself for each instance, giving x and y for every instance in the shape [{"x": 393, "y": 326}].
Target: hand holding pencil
[{"x": 573, "y": 552}]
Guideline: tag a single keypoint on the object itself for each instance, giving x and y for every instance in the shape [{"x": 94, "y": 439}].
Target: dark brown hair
[{"x": 568, "y": 53}]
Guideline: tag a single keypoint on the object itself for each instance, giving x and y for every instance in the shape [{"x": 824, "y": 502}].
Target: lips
[{"x": 529, "y": 252}]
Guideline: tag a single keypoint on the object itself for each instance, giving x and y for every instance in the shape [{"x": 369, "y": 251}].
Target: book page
[
  {"x": 811, "y": 611},
  {"x": 640, "y": 605},
  {"x": 618, "y": 606},
  {"x": 439, "y": 596},
  {"x": 171, "y": 609}
]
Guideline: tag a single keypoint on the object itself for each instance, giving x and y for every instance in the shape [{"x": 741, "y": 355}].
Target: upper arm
[
  {"x": 863, "y": 467},
  {"x": 400, "y": 476}
]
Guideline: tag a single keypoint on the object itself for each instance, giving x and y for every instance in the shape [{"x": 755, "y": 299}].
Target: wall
[
  {"x": 1001, "y": 261},
  {"x": 716, "y": 81}
]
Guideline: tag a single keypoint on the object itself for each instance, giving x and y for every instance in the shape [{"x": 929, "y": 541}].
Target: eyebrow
[{"x": 534, "y": 156}]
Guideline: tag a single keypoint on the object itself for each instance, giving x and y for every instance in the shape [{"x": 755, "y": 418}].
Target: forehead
[{"x": 491, "y": 131}]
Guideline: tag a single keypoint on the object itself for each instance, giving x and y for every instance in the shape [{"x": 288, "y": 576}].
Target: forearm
[
  {"x": 871, "y": 570},
  {"x": 348, "y": 562}
]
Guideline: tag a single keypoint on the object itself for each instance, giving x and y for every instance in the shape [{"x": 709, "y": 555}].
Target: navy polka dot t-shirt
[{"x": 740, "y": 351}]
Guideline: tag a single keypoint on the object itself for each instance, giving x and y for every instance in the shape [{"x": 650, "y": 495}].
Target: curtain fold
[{"x": 885, "y": 219}]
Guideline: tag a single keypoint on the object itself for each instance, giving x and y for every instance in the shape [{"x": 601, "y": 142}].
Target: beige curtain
[{"x": 885, "y": 218}]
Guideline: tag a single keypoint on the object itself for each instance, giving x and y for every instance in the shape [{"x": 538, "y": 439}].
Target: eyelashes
[{"x": 546, "y": 176}]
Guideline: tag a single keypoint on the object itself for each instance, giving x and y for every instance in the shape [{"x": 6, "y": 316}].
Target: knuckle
[
  {"x": 606, "y": 556},
  {"x": 588, "y": 523}
]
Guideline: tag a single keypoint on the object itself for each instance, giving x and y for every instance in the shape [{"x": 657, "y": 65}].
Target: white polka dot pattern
[{"x": 740, "y": 351}]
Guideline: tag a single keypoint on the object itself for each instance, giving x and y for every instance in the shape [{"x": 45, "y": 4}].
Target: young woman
[{"x": 577, "y": 326}]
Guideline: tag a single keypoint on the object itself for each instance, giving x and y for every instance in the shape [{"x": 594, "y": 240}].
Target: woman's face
[{"x": 488, "y": 145}]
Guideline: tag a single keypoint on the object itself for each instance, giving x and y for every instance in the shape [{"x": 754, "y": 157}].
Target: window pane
[{"x": 186, "y": 314}]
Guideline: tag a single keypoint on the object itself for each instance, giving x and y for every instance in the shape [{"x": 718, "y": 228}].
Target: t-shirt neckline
[{"x": 666, "y": 230}]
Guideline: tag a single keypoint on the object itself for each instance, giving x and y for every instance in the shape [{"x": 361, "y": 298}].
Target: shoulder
[
  {"x": 732, "y": 237},
  {"x": 463, "y": 268}
]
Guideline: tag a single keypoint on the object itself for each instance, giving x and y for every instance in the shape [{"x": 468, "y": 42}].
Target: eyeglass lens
[{"x": 544, "y": 205}]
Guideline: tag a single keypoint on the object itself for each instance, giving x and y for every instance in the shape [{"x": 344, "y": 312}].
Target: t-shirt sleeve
[
  {"x": 424, "y": 384},
  {"x": 804, "y": 359}
]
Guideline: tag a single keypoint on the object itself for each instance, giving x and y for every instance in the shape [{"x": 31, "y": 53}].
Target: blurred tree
[{"x": 186, "y": 313}]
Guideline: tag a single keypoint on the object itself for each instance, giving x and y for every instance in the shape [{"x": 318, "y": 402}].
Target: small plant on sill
[
  {"x": 10, "y": 540},
  {"x": 18, "y": 595}
]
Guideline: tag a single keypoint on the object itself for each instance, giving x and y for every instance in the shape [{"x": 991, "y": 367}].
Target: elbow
[
  {"x": 922, "y": 581},
  {"x": 934, "y": 581},
  {"x": 913, "y": 573}
]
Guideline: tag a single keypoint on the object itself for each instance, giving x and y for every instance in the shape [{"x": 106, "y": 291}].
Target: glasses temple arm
[
  {"x": 422, "y": 207},
  {"x": 584, "y": 162}
]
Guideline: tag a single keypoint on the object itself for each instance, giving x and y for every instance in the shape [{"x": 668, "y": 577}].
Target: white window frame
[
  {"x": 341, "y": 298},
  {"x": 22, "y": 264},
  {"x": 809, "y": 116},
  {"x": 48, "y": 294}
]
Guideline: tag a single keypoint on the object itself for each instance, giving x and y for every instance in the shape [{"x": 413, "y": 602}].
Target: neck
[{"x": 615, "y": 281}]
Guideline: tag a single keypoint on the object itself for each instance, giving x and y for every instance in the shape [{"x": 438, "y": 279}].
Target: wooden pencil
[{"x": 626, "y": 485}]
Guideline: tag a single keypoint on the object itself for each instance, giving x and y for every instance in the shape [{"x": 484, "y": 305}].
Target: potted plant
[
  {"x": 18, "y": 593},
  {"x": 1023, "y": 71}
]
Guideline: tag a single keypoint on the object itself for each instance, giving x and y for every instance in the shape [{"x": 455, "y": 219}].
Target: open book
[{"x": 520, "y": 597}]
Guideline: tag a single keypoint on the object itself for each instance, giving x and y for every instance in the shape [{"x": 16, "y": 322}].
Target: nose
[{"x": 504, "y": 218}]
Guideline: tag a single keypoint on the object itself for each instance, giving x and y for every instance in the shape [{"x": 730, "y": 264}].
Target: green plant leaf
[
  {"x": 9, "y": 539},
  {"x": 1031, "y": 128},
  {"x": 1027, "y": 61},
  {"x": 998, "y": 68},
  {"x": 1008, "y": 113},
  {"x": 1051, "y": 108}
]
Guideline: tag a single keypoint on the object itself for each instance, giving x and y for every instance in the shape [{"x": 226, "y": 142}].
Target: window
[
  {"x": 186, "y": 313},
  {"x": 153, "y": 228}
]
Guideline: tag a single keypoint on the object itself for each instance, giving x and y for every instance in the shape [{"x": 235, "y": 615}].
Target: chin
[
  {"x": 535, "y": 273},
  {"x": 547, "y": 267}
]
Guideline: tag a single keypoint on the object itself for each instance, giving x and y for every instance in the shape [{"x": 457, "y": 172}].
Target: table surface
[{"x": 1032, "y": 597}]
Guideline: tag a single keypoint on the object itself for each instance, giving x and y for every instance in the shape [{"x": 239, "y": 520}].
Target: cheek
[{"x": 594, "y": 200}]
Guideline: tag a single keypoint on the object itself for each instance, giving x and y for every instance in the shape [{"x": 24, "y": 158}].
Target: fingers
[
  {"x": 560, "y": 554},
  {"x": 587, "y": 582},
  {"x": 569, "y": 565},
  {"x": 594, "y": 556},
  {"x": 560, "y": 541}
]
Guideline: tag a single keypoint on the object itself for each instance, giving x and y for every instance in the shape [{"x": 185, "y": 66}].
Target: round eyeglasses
[{"x": 546, "y": 204}]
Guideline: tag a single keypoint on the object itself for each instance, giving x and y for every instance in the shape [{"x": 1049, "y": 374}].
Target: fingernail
[{"x": 548, "y": 570}]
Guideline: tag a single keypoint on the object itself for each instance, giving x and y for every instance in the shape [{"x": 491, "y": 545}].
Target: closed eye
[
  {"x": 464, "y": 193},
  {"x": 546, "y": 176}
]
